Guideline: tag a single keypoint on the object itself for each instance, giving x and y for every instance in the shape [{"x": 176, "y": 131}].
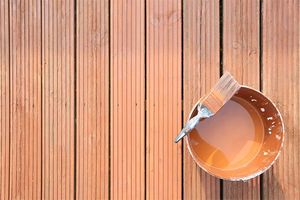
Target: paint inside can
[{"x": 241, "y": 139}]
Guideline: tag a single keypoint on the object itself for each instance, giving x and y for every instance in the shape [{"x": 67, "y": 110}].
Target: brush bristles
[{"x": 225, "y": 88}]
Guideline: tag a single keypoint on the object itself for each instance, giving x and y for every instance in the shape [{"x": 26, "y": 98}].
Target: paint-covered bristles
[{"x": 225, "y": 88}]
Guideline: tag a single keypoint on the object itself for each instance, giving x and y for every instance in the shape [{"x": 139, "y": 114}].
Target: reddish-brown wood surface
[
  {"x": 201, "y": 70},
  {"x": 92, "y": 100},
  {"x": 241, "y": 59},
  {"x": 58, "y": 100},
  {"x": 25, "y": 100},
  {"x": 163, "y": 170},
  {"x": 4, "y": 100},
  {"x": 281, "y": 74},
  {"x": 127, "y": 99},
  {"x": 93, "y": 93}
]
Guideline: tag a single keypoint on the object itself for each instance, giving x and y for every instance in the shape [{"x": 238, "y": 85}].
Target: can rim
[{"x": 252, "y": 175}]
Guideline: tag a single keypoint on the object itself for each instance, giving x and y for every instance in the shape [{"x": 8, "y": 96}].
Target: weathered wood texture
[
  {"x": 164, "y": 168},
  {"x": 25, "y": 88},
  {"x": 127, "y": 99},
  {"x": 241, "y": 59},
  {"x": 92, "y": 100},
  {"x": 281, "y": 74},
  {"x": 201, "y": 70},
  {"x": 58, "y": 99},
  {"x": 4, "y": 100}
]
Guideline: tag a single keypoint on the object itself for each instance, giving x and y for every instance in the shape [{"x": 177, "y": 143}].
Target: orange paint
[
  {"x": 241, "y": 140},
  {"x": 231, "y": 138}
]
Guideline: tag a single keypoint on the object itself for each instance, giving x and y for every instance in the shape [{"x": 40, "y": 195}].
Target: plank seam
[
  {"x": 261, "y": 45},
  {"x": 145, "y": 97},
  {"x": 41, "y": 82},
  {"x": 221, "y": 36},
  {"x": 9, "y": 98},
  {"x": 109, "y": 99},
  {"x": 75, "y": 99},
  {"x": 182, "y": 98},
  {"x": 221, "y": 67},
  {"x": 261, "y": 178}
]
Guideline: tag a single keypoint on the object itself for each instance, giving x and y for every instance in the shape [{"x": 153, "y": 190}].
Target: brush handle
[{"x": 203, "y": 112}]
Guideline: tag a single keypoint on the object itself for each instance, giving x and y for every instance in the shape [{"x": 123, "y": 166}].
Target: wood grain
[
  {"x": 241, "y": 59},
  {"x": 281, "y": 74},
  {"x": 164, "y": 159},
  {"x": 25, "y": 86},
  {"x": 74, "y": 76},
  {"x": 201, "y": 71},
  {"x": 92, "y": 99},
  {"x": 127, "y": 99},
  {"x": 58, "y": 99},
  {"x": 4, "y": 100}
]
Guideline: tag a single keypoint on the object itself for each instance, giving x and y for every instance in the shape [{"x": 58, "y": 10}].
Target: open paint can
[{"x": 242, "y": 140}]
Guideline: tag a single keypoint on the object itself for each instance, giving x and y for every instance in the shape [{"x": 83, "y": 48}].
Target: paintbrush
[{"x": 224, "y": 89}]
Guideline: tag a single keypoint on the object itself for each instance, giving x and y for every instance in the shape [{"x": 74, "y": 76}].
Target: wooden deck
[{"x": 93, "y": 93}]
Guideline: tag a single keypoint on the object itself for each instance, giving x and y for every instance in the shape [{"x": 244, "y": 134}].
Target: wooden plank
[
  {"x": 164, "y": 158},
  {"x": 281, "y": 75},
  {"x": 25, "y": 41},
  {"x": 241, "y": 59},
  {"x": 127, "y": 99},
  {"x": 201, "y": 71},
  {"x": 92, "y": 99},
  {"x": 58, "y": 99},
  {"x": 4, "y": 100}
]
